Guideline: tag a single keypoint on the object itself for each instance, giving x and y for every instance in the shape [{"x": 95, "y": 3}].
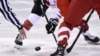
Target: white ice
[{"x": 37, "y": 36}]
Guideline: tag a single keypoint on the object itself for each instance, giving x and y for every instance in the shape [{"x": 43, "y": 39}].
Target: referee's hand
[{"x": 22, "y": 33}]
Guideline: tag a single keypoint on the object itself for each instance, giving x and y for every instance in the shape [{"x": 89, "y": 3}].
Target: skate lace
[{"x": 61, "y": 51}]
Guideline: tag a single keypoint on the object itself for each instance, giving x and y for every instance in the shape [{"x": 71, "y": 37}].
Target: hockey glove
[{"x": 50, "y": 27}]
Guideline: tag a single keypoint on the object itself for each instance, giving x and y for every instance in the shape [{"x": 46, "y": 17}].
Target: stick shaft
[
  {"x": 47, "y": 22},
  {"x": 70, "y": 48}
]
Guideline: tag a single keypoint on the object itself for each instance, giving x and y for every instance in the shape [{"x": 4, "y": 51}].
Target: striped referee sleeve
[{"x": 8, "y": 14}]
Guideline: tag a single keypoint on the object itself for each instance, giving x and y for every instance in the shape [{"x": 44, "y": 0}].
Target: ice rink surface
[{"x": 37, "y": 36}]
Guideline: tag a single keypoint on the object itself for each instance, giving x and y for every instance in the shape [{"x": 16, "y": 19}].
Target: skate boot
[
  {"x": 91, "y": 38},
  {"x": 18, "y": 42},
  {"x": 60, "y": 51}
]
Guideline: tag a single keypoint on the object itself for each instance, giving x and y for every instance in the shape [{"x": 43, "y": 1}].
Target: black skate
[
  {"x": 60, "y": 51},
  {"x": 95, "y": 38},
  {"x": 18, "y": 42}
]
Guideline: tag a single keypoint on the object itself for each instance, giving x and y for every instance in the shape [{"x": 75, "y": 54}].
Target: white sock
[{"x": 87, "y": 33}]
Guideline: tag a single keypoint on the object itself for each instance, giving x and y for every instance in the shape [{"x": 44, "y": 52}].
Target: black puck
[{"x": 37, "y": 48}]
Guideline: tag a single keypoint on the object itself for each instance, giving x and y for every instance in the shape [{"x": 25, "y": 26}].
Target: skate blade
[
  {"x": 17, "y": 46},
  {"x": 94, "y": 43}
]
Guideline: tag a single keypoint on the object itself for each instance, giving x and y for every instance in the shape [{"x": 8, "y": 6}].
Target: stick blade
[{"x": 69, "y": 49}]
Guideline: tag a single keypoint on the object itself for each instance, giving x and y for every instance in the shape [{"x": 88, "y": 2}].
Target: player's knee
[{"x": 64, "y": 24}]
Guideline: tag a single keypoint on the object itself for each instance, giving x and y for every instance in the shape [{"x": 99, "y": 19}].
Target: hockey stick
[
  {"x": 47, "y": 21},
  {"x": 70, "y": 48}
]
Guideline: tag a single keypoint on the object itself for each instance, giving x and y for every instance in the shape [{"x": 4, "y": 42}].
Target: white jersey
[{"x": 56, "y": 13}]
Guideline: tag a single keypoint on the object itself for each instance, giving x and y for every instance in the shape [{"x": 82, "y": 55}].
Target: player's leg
[
  {"x": 35, "y": 15},
  {"x": 86, "y": 33},
  {"x": 28, "y": 23},
  {"x": 73, "y": 17},
  {"x": 63, "y": 6},
  {"x": 97, "y": 8}
]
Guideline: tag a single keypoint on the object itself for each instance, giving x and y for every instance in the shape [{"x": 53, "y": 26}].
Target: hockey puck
[{"x": 37, "y": 48}]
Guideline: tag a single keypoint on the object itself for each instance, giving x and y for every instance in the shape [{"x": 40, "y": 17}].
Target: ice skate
[
  {"x": 91, "y": 38},
  {"x": 59, "y": 52},
  {"x": 18, "y": 42}
]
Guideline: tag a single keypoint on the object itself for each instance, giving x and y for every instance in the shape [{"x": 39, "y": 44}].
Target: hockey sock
[
  {"x": 63, "y": 36},
  {"x": 32, "y": 19},
  {"x": 27, "y": 25}
]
